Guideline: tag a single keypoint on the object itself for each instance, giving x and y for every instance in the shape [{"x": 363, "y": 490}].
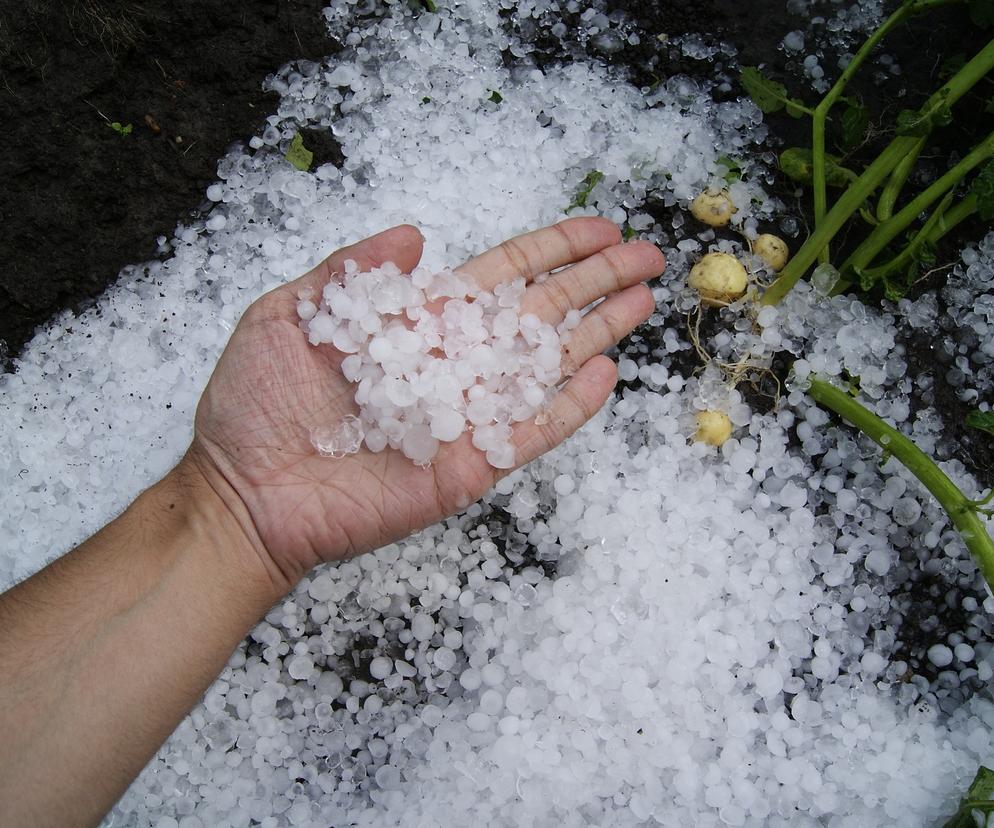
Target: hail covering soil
[{"x": 635, "y": 629}]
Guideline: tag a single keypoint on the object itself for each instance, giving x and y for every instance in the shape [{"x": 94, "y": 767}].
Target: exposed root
[{"x": 747, "y": 369}]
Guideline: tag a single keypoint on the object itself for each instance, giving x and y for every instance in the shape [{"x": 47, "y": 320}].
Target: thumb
[{"x": 401, "y": 245}]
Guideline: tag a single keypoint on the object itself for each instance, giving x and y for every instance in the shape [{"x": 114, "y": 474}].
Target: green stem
[
  {"x": 850, "y": 202},
  {"x": 929, "y": 235},
  {"x": 885, "y": 233},
  {"x": 904, "y": 259},
  {"x": 888, "y": 197},
  {"x": 854, "y": 196},
  {"x": 960, "y": 509},
  {"x": 820, "y": 115}
]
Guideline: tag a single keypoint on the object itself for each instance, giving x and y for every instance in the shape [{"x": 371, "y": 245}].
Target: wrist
[{"x": 222, "y": 527}]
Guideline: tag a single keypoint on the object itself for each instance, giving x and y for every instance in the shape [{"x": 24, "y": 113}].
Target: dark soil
[{"x": 79, "y": 199}]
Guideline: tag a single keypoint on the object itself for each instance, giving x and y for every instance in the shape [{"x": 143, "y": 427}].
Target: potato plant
[{"x": 900, "y": 237}]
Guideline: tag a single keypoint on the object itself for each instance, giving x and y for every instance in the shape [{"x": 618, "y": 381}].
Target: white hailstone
[
  {"x": 418, "y": 445},
  {"x": 380, "y": 667},
  {"x": 478, "y": 721},
  {"x": 491, "y": 702},
  {"x": 906, "y": 511},
  {"x": 501, "y": 456},
  {"x": 300, "y": 667},
  {"x": 516, "y": 700},
  {"x": 470, "y": 679},
  {"x": 769, "y": 682},
  {"x": 940, "y": 655},
  {"x": 330, "y": 684},
  {"x": 878, "y": 561},
  {"x": 447, "y": 424},
  {"x": 388, "y": 777},
  {"x": 306, "y": 309},
  {"x": 340, "y": 439},
  {"x": 474, "y": 365},
  {"x": 492, "y": 674},
  {"x": 964, "y": 652},
  {"x": 628, "y": 370},
  {"x": 872, "y": 663},
  {"x": 422, "y": 627},
  {"x": 445, "y": 659}
]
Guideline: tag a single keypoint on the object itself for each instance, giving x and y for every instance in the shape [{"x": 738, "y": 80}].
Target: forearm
[{"x": 104, "y": 651}]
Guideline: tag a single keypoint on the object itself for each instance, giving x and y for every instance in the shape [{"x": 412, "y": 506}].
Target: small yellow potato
[
  {"x": 719, "y": 278},
  {"x": 714, "y": 209},
  {"x": 771, "y": 249},
  {"x": 713, "y": 427}
]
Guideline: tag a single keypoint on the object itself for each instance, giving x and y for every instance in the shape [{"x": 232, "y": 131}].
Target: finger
[
  {"x": 576, "y": 403},
  {"x": 541, "y": 251},
  {"x": 401, "y": 245},
  {"x": 612, "y": 269},
  {"x": 606, "y": 325}
]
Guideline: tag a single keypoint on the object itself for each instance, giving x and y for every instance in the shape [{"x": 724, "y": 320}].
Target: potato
[
  {"x": 714, "y": 209},
  {"x": 713, "y": 427},
  {"x": 771, "y": 249},
  {"x": 719, "y": 278}
]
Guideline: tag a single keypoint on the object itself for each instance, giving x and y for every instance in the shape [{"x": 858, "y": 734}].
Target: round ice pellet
[
  {"x": 380, "y": 667},
  {"x": 445, "y": 659},
  {"x": 940, "y": 655}
]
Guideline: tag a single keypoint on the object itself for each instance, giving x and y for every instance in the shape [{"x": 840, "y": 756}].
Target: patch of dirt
[
  {"x": 81, "y": 198},
  {"x": 972, "y": 447}
]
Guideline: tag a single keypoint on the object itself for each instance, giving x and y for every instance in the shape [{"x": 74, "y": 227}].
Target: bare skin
[{"x": 105, "y": 650}]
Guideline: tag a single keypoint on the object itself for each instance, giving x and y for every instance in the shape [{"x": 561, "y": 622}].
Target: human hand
[{"x": 297, "y": 508}]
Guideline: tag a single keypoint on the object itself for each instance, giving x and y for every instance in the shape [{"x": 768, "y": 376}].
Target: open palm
[{"x": 271, "y": 388}]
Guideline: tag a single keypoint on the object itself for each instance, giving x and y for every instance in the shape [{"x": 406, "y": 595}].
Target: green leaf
[
  {"x": 628, "y": 233},
  {"x": 926, "y": 253},
  {"x": 429, "y": 6},
  {"x": 983, "y": 189},
  {"x": 911, "y": 122},
  {"x": 989, "y": 106},
  {"x": 425, "y": 100},
  {"x": 920, "y": 122},
  {"x": 982, "y": 13},
  {"x": 298, "y": 154},
  {"x": 893, "y": 291},
  {"x": 734, "y": 168},
  {"x": 496, "y": 97},
  {"x": 855, "y": 120},
  {"x": 984, "y": 420},
  {"x": 796, "y": 109},
  {"x": 123, "y": 131},
  {"x": 591, "y": 180},
  {"x": 797, "y": 164},
  {"x": 769, "y": 95},
  {"x": 978, "y": 798}
]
